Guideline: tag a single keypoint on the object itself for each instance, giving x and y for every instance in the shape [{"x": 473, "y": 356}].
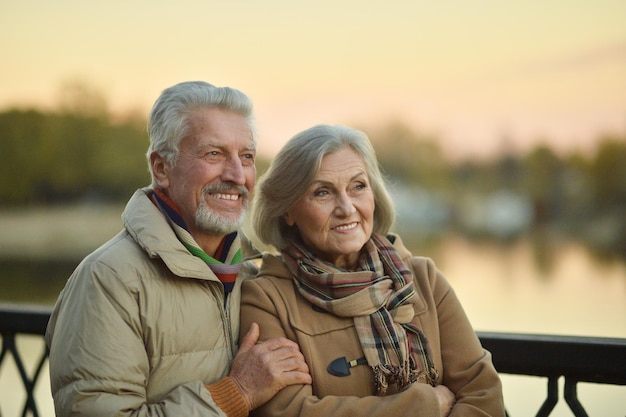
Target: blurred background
[{"x": 501, "y": 127}]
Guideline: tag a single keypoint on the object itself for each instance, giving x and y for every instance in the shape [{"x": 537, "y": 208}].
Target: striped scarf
[
  {"x": 228, "y": 257},
  {"x": 379, "y": 297}
]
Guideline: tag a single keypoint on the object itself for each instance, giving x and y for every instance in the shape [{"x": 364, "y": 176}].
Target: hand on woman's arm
[{"x": 260, "y": 370}]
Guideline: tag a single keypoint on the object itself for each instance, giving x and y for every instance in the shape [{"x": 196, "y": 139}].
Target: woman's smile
[{"x": 345, "y": 227}]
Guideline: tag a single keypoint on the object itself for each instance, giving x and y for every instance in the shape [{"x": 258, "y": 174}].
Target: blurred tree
[
  {"x": 509, "y": 171},
  {"x": 410, "y": 157},
  {"x": 542, "y": 183},
  {"x": 262, "y": 164},
  {"x": 64, "y": 157},
  {"x": 121, "y": 165},
  {"x": 608, "y": 174},
  {"x": 74, "y": 152},
  {"x": 23, "y": 137}
]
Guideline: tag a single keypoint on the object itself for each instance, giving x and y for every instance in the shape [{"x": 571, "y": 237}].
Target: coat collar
[
  {"x": 273, "y": 264},
  {"x": 149, "y": 228}
]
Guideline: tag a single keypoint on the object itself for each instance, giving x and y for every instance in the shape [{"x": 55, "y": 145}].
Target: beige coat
[
  {"x": 141, "y": 326},
  {"x": 272, "y": 300}
]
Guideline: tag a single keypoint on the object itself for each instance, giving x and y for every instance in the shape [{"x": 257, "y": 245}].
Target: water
[
  {"x": 554, "y": 289},
  {"x": 543, "y": 286}
]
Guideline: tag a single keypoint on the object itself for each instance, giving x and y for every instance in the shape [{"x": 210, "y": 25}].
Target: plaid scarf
[
  {"x": 227, "y": 261},
  {"x": 379, "y": 297}
]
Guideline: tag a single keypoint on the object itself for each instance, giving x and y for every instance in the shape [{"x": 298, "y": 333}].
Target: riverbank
[{"x": 57, "y": 232}]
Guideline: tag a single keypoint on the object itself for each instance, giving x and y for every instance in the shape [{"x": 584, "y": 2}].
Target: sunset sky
[{"x": 468, "y": 72}]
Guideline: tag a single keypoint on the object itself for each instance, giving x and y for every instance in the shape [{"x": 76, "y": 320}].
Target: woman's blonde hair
[{"x": 295, "y": 167}]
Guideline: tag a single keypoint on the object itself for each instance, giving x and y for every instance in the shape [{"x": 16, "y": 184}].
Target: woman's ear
[
  {"x": 290, "y": 222},
  {"x": 159, "y": 170}
]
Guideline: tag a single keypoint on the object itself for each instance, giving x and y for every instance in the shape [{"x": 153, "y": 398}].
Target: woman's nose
[{"x": 345, "y": 206}]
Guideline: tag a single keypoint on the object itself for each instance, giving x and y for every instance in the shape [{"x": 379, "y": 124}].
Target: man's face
[{"x": 214, "y": 173}]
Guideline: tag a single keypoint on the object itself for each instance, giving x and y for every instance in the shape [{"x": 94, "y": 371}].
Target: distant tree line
[
  {"x": 571, "y": 186},
  {"x": 81, "y": 153},
  {"x": 59, "y": 157},
  {"x": 579, "y": 195}
]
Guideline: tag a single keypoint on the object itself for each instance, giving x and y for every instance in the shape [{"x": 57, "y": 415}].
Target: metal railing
[
  {"x": 577, "y": 359},
  {"x": 23, "y": 320}
]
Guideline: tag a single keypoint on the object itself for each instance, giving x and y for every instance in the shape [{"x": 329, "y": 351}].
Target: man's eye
[
  {"x": 247, "y": 159},
  {"x": 212, "y": 154}
]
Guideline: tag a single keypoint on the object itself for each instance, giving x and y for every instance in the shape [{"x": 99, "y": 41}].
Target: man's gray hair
[{"x": 168, "y": 119}]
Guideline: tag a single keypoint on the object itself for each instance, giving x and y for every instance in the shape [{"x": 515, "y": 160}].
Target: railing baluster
[
  {"x": 31, "y": 404},
  {"x": 24, "y": 320},
  {"x": 571, "y": 398},
  {"x": 552, "y": 399},
  {"x": 29, "y": 385}
]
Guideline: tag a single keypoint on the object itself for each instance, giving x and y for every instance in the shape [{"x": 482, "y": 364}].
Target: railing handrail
[
  {"x": 576, "y": 358},
  {"x": 25, "y": 319},
  {"x": 581, "y": 358}
]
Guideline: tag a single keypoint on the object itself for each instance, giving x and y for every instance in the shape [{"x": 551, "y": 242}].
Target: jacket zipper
[{"x": 224, "y": 313}]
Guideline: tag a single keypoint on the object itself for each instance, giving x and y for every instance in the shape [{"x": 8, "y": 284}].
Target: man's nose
[{"x": 234, "y": 172}]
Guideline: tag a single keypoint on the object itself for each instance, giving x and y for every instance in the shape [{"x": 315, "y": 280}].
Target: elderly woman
[{"x": 381, "y": 330}]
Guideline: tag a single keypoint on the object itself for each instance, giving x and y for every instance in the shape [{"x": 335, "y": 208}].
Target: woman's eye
[{"x": 320, "y": 193}]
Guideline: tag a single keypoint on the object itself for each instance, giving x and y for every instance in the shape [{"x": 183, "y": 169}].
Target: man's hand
[{"x": 261, "y": 370}]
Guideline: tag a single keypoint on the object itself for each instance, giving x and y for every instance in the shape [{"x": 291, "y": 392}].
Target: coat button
[{"x": 341, "y": 366}]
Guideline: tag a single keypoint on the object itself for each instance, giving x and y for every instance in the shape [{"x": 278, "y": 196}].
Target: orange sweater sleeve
[{"x": 227, "y": 397}]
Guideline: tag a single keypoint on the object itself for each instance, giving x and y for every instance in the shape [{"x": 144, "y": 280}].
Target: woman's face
[{"x": 336, "y": 213}]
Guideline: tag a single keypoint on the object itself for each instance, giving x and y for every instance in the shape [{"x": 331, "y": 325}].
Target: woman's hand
[{"x": 446, "y": 399}]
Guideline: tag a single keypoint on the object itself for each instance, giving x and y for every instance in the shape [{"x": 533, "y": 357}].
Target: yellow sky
[{"x": 470, "y": 72}]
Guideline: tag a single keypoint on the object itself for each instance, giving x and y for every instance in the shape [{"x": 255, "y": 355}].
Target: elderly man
[{"x": 148, "y": 323}]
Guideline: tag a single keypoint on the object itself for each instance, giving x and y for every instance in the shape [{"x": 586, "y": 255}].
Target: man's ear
[{"x": 160, "y": 169}]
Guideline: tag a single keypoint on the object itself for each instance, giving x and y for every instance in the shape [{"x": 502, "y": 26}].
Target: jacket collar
[{"x": 150, "y": 229}]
